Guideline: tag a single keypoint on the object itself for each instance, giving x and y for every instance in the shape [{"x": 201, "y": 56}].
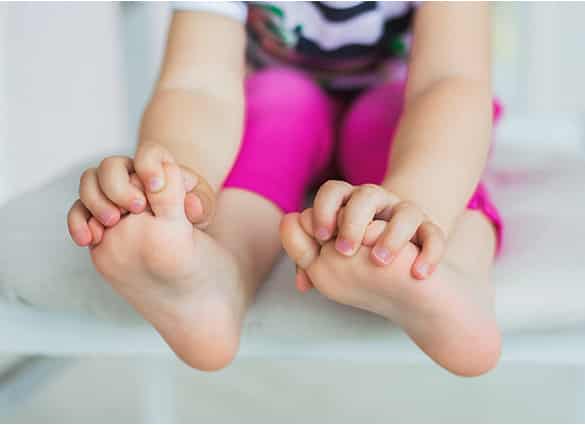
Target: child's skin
[{"x": 188, "y": 256}]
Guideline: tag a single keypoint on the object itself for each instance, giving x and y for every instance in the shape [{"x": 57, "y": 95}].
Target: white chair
[{"x": 53, "y": 299}]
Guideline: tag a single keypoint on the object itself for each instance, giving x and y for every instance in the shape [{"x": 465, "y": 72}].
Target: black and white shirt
[{"x": 345, "y": 45}]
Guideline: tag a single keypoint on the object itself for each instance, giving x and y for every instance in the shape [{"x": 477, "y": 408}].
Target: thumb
[
  {"x": 200, "y": 199},
  {"x": 169, "y": 202}
]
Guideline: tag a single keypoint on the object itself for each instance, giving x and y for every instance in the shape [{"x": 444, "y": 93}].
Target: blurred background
[{"x": 73, "y": 81}]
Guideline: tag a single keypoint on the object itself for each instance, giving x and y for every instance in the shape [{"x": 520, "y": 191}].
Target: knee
[
  {"x": 374, "y": 115},
  {"x": 367, "y": 132},
  {"x": 287, "y": 87}
]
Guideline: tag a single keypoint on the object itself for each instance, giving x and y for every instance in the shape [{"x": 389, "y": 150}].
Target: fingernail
[
  {"x": 382, "y": 254},
  {"x": 423, "y": 269},
  {"x": 322, "y": 233},
  {"x": 82, "y": 235},
  {"x": 156, "y": 184},
  {"x": 197, "y": 206},
  {"x": 138, "y": 204},
  {"x": 344, "y": 246},
  {"x": 107, "y": 219}
]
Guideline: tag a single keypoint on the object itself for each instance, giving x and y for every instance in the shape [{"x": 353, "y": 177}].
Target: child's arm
[
  {"x": 442, "y": 142},
  {"x": 439, "y": 150},
  {"x": 195, "y": 118},
  {"x": 196, "y": 111}
]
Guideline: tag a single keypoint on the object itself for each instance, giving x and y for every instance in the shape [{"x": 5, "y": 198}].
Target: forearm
[
  {"x": 441, "y": 147},
  {"x": 201, "y": 129}
]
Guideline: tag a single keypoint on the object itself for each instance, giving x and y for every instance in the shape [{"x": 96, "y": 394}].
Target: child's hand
[
  {"x": 346, "y": 210},
  {"x": 116, "y": 187}
]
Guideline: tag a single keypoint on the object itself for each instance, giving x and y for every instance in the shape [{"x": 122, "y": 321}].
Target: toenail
[
  {"x": 322, "y": 233},
  {"x": 156, "y": 184},
  {"x": 382, "y": 254},
  {"x": 344, "y": 246}
]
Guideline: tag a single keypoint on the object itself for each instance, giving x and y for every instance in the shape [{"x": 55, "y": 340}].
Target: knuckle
[
  {"x": 408, "y": 208},
  {"x": 351, "y": 229},
  {"x": 116, "y": 192},
  {"x": 88, "y": 197},
  {"x": 73, "y": 212},
  {"x": 87, "y": 175},
  {"x": 140, "y": 164},
  {"x": 336, "y": 184},
  {"x": 108, "y": 163},
  {"x": 370, "y": 188},
  {"x": 85, "y": 182},
  {"x": 395, "y": 235},
  {"x": 439, "y": 239},
  {"x": 391, "y": 237},
  {"x": 405, "y": 206},
  {"x": 322, "y": 214},
  {"x": 435, "y": 231},
  {"x": 153, "y": 150},
  {"x": 305, "y": 258}
]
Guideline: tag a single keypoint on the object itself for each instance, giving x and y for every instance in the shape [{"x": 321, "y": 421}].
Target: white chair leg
[{"x": 158, "y": 391}]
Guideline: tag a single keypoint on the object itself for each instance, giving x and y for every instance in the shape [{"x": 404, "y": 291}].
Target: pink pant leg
[
  {"x": 366, "y": 142},
  {"x": 288, "y": 137}
]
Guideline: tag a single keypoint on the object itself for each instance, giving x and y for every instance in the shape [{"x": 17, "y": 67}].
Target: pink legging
[{"x": 290, "y": 134}]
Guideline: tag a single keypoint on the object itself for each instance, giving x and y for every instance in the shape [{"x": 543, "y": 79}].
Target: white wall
[
  {"x": 539, "y": 55},
  {"x": 539, "y": 63},
  {"x": 63, "y": 94}
]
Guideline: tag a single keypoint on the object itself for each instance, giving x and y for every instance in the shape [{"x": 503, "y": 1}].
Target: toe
[{"x": 302, "y": 248}]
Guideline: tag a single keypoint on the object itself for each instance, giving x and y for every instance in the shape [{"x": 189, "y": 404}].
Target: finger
[
  {"x": 95, "y": 201},
  {"x": 169, "y": 203},
  {"x": 432, "y": 240},
  {"x": 200, "y": 199},
  {"x": 148, "y": 163},
  {"x": 114, "y": 179},
  {"x": 136, "y": 182},
  {"x": 97, "y": 231},
  {"x": 302, "y": 281},
  {"x": 77, "y": 224},
  {"x": 330, "y": 197},
  {"x": 365, "y": 203},
  {"x": 402, "y": 227},
  {"x": 306, "y": 220},
  {"x": 299, "y": 245},
  {"x": 373, "y": 232}
]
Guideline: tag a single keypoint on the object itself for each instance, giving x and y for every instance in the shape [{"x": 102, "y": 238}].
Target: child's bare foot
[
  {"x": 176, "y": 276},
  {"x": 447, "y": 317}
]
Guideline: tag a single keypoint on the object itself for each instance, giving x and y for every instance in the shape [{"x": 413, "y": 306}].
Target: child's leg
[
  {"x": 195, "y": 286},
  {"x": 450, "y": 315},
  {"x": 287, "y": 141}
]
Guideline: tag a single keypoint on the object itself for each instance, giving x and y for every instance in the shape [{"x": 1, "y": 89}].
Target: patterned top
[{"x": 344, "y": 45}]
